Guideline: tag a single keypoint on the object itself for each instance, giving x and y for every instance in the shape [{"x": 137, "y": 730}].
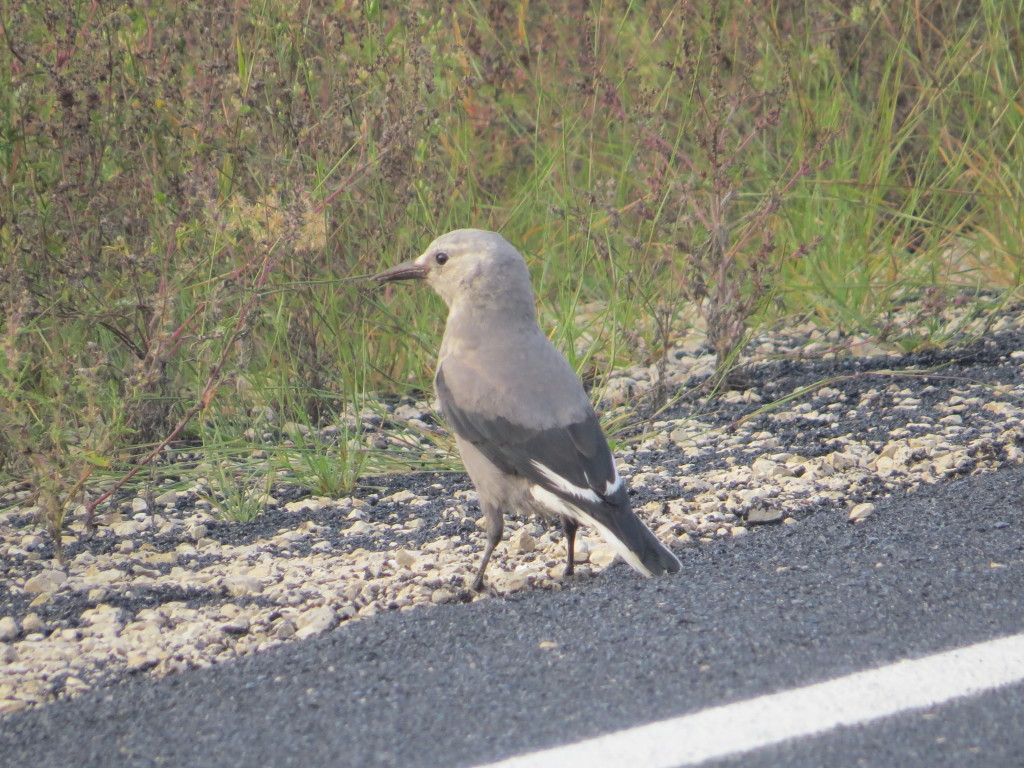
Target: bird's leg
[
  {"x": 495, "y": 525},
  {"x": 569, "y": 527}
]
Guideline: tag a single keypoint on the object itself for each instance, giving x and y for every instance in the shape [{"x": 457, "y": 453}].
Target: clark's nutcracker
[{"x": 524, "y": 426}]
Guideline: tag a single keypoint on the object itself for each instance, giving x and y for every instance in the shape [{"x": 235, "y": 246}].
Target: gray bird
[{"x": 524, "y": 426}]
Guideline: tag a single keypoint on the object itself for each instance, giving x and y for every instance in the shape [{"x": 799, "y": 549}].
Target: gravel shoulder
[
  {"x": 460, "y": 685},
  {"x": 165, "y": 587}
]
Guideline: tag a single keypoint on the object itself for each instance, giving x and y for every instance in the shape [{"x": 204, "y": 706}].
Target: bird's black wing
[
  {"x": 573, "y": 462},
  {"x": 560, "y": 458}
]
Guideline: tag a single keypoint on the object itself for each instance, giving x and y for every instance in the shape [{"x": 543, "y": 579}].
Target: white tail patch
[
  {"x": 584, "y": 494},
  {"x": 614, "y": 484},
  {"x": 560, "y": 506}
]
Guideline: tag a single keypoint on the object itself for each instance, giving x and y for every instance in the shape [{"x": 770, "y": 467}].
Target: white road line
[{"x": 808, "y": 711}]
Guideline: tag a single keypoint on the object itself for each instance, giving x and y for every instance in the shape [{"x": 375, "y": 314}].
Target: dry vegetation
[{"x": 187, "y": 190}]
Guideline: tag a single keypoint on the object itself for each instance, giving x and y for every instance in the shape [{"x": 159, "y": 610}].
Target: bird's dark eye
[{"x": 441, "y": 257}]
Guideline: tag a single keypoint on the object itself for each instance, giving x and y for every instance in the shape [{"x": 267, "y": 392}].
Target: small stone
[
  {"x": 767, "y": 468},
  {"x": 295, "y": 431},
  {"x": 139, "y": 661},
  {"x": 239, "y": 625},
  {"x": 311, "y": 504},
  {"x": 196, "y": 531},
  {"x": 690, "y": 523},
  {"x": 886, "y": 465},
  {"x": 441, "y": 596},
  {"x": 238, "y": 585},
  {"x": 8, "y": 628},
  {"x": 603, "y": 555},
  {"x": 315, "y": 621},
  {"x": 763, "y": 514},
  {"x": 8, "y": 653},
  {"x": 158, "y": 558},
  {"x": 547, "y": 645},
  {"x": 861, "y": 512},
  {"x": 167, "y": 499},
  {"x": 522, "y": 541},
  {"x": 126, "y": 527},
  {"x": 441, "y": 545},
  {"x": 139, "y": 504},
  {"x": 360, "y": 528},
  {"x": 32, "y": 623},
  {"x": 407, "y": 413},
  {"x": 401, "y": 497},
  {"x": 284, "y": 630},
  {"x": 103, "y": 615},
  {"x": 510, "y": 582},
  {"x": 752, "y": 497},
  {"x": 47, "y": 581},
  {"x": 405, "y": 559}
]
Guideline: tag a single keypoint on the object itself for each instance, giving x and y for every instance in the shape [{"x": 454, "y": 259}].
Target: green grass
[{"x": 187, "y": 193}]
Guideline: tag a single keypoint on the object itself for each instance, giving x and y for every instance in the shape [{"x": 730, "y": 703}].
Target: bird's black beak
[{"x": 408, "y": 270}]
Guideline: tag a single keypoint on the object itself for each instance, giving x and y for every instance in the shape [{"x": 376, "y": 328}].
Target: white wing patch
[
  {"x": 583, "y": 494},
  {"x": 560, "y": 506},
  {"x": 613, "y": 485}
]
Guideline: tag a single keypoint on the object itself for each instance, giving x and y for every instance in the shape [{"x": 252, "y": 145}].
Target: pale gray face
[{"x": 467, "y": 264}]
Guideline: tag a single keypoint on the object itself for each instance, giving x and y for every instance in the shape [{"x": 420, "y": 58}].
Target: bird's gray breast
[{"x": 523, "y": 379}]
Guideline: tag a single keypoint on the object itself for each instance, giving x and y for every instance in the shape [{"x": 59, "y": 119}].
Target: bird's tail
[{"x": 635, "y": 543}]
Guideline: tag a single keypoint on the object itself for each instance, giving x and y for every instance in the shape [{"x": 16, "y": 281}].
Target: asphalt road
[{"x": 460, "y": 685}]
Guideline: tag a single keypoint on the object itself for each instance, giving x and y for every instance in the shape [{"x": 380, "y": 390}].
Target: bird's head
[{"x": 469, "y": 266}]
